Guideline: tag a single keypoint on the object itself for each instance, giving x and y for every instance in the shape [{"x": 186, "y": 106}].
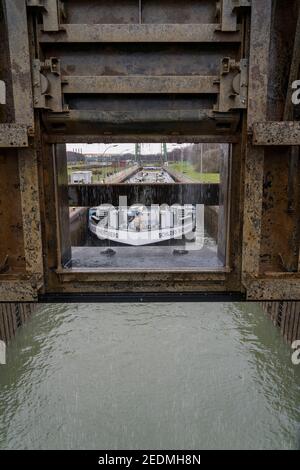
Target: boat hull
[{"x": 143, "y": 237}]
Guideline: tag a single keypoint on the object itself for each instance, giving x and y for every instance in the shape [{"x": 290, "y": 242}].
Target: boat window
[{"x": 148, "y": 206}]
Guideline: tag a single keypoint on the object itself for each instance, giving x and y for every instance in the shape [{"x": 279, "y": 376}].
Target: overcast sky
[{"x": 119, "y": 148}]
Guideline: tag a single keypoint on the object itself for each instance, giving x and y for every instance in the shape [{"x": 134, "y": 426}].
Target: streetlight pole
[
  {"x": 109, "y": 147},
  {"x": 201, "y": 167}
]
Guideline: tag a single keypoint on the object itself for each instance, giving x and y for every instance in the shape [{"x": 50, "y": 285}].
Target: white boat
[{"x": 140, "y": 225}]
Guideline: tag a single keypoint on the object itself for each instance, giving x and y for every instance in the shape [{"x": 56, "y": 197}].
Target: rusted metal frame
[
  {"x": 227, "y": 12},
  {"x": 140, "y": 84},
  {"x": 119, "y": 117},
  {"x": 13, "y": 135},
  {"x": 227, "y": 204},
  {"x": 47, "y": 86},
  {"x": 134, "y": 33},
  {"x": 136, "y": 282},
  {"x": 51, "y": 18},
  {"x": 49, "y": 215},
  {"x": 56, "y": 201},
  {"x": 235, "y": 235},
  {"x": 261, "y": 18},
  {"x": 11, "y": 230},
  {"x": 16, "y": 20},
  {"x": 293, "y": 177},
  {"x": 293, "y": 186},
  {"x": 51, "y": 12},
  {"x": 294, "y": 73},
  {"x": 139, "y": 287},
  {"x": 233, "y": 85},
  {"x": 254, "y": 167},
  {"x": 234, "y": 221},
  {"x": 150, "y": 138},
  {"x": 293, "y": 180},
  {"x": 276, "y": 133},
  {"x": 125, "y": 275},
  {"x": 18, "y": 291},
  {"x": 62, "y": 205},
  {"x": 272, "y": 289},
  {"x": 228, "y": 19},
  {"x": 30, "y": 204}
]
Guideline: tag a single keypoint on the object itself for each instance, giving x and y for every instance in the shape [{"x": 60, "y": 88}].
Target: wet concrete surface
[{"x": 166, "y": 255}]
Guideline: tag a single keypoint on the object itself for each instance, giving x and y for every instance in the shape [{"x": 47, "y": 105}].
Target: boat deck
[{"x": 145, "y": 257}]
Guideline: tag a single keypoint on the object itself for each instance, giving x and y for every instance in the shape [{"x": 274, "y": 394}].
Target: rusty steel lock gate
[{"x": 149, "y": 71}]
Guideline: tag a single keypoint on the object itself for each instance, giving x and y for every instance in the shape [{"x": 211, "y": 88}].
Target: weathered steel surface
[
  {"x": 254, "y": 167},
  {"x": 18, "y": 37},
  {"x": 18, "y": 291},
  {"x": 161, "y": 123},
  {"x": 11, "y": 229},
  {"x": 260, "y": 39},
  {"x": 294, "y": 73},
  {"x": 228, "y": 13},
  {"x": 61, "y": 188},
  {"x": 13, "y": 135},
  {"x": 276, "y": 133},
  {"x": 233, "y": 85},
  {"x": 280, "y": 217},
  {"x": 140, "y": 84},
  {"x": 273, "y": 289},
  {"x": 120, "y": 117},
  {"x": 261, "y": 18},
  {"x": 83, "y": 33},
  {"x": 180, "y": 138},
  {"x": 149, "y": 72},
  {"x": 30, "y": 204}
]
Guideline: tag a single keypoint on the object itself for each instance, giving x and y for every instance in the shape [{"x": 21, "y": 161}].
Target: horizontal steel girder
[
  {"x": 140, "y": 84},
  {"x": 276, "y": 133},
  {"x": 13, "y": 135},
  {"x": 83, "y": 33}
]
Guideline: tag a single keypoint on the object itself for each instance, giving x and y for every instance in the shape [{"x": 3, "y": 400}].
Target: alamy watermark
[
  {"x": 296, "y": 93},
  {"x": 296, "y": 353},
  {"x": 2, "y": 353},
  {"x": 140, "y": 224}
]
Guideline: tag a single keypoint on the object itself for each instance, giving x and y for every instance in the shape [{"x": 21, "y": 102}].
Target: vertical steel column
[{"x": 261, "y": 19}]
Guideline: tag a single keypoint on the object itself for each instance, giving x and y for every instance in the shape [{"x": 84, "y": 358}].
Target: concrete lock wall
[
  {"x": 211, "y": 221},
  {"x": 12, "y": 317},
  {"x": 286, "y": 317},
  {"x": 78, "y": 225}
]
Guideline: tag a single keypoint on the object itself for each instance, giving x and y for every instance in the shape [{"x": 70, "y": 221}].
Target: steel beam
[
  {"x": 18, "y": 291},
  {"x": 260, "y": 38},
  {"x": 271, "y": 289},
  {"x": 134, "y": 33},
  {"x": 30, "y": 205},
  {"x": 276, "y": 133},
  {"x": 13, "y": 135},
  {"x": 140, "y": 84},
  {"x": 294, "y": 72},
  {"x": 153, "y": 115},
  {"x": 63, "y": 138},
  {"x": 16, "y": 19}
]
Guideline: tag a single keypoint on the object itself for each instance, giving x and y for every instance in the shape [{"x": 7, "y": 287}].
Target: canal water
[{"x": 159, "y": 376}]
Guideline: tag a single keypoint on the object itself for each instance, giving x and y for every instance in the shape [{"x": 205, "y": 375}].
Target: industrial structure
[{"x": 150, "y": 71}]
